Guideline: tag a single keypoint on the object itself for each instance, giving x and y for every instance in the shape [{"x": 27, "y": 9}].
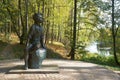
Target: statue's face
[{"x": 38, "y": 18}]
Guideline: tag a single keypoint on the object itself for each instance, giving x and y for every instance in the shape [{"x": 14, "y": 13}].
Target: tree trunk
[
  {"x": 21, "y": 24},
  {"x": 59, "y": 33},
  {"x": 74, "y": 32},
  {"x": 26, "y": 14},
  {"x": 52, "y": 33},
  {"x": 48, "y": 25},
  {"x": 114, "y": 35}
]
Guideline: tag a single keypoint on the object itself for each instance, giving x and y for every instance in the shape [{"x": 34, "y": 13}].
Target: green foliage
[
  {"x": 104, "y": 6},
  {"x": 107, "y": 61},
  {"x": 88, "y": 18},
  {"x": 99, "y": 59}
]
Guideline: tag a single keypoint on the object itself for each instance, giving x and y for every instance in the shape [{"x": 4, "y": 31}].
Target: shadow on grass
[
  {"x": 2, "y": 47},
  {"x": 10, "y": 51},
  {"x": 17, "y": 51},
  {"x": 53, "y": 55}
]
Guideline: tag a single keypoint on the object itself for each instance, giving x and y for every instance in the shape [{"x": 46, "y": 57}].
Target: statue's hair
[{"x": 37, "y": 16}]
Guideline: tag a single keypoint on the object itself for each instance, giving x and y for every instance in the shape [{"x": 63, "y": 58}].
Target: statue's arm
[
  {"x": 42, "y": 43},
  {"x": 30, "y": 33},
  {"x": 42, "y": 40}
]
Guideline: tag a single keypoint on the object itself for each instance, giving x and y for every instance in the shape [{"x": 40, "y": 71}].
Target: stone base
[{"x": 44, "y": 69}]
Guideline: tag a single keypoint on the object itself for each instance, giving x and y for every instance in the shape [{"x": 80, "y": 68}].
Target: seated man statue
[{"x": 34, "y": 41}]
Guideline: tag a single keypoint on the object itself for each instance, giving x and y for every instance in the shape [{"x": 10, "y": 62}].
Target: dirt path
[{"x": 68, "y": 70}]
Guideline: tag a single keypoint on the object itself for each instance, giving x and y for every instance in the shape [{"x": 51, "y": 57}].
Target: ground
[{"x": 67, "y": 69}]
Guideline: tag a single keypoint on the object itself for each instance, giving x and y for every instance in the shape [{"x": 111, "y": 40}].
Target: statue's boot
[{"x": 26, "y": 65}]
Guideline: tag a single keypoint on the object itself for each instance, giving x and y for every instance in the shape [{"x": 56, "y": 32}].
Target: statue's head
[{"x": 38, "y": 17}]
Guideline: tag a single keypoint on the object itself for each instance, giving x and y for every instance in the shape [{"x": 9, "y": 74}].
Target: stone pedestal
[{"x": 45, "y": 69}]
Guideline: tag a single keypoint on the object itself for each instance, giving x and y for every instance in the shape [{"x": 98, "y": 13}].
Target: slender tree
[
  {"x": 26, "y": 3},
  {"x": 114, "y": 35},
  {"x": 72, "y": 52}
]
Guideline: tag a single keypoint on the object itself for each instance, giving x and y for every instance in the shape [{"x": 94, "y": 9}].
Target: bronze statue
[{"x": 34, "y": 42}]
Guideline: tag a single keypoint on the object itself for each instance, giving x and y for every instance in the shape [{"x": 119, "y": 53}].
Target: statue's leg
[{"x": 26, "y": 56}]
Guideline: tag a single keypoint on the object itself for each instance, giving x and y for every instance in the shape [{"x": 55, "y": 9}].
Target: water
[{"x": 92, "y": 48}]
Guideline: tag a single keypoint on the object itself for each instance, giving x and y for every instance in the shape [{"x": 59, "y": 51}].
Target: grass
[
  {"x": 2, "y": 45},
  {"x": 18, "y": 50},
  {"x": 113, "y": 68},
  {"x": 107, "y": 62},
  {"x": 53, "y": 55}
]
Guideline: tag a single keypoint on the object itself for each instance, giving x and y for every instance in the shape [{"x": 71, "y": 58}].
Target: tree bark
[
  {"x": 48, "y": 25},
  {"x": 52, "y": 30},
  {"x": 114, "y": 35},
  {"x": 26, "y": 14},
  {"x": 74, "y": 32}
]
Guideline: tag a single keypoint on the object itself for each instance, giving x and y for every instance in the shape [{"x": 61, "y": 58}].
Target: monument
[{"x": 35, "y": 51}]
